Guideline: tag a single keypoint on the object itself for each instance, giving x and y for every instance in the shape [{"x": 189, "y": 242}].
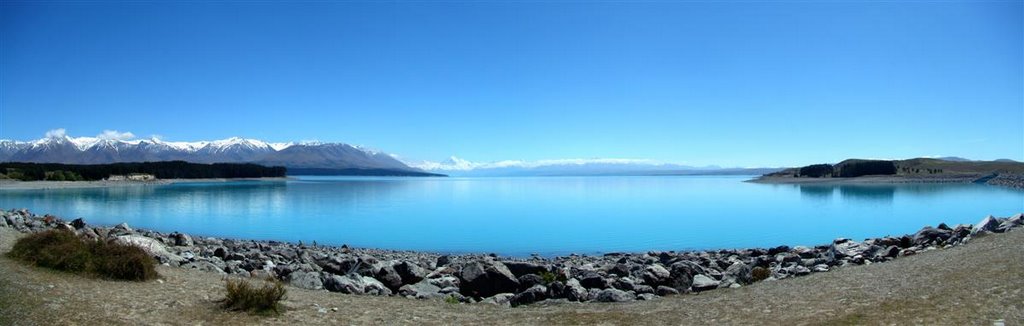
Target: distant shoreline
[
  {"x": 864, "y": 180},
  {"x": 1013, "y": 181},
  {"x": 36, "y": 185}
]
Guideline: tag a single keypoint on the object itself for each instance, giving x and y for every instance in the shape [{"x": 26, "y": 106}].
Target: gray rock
[
  {"x": 305, "y": 280},
  {"x": 500, "y": 299},
  {"x": 445, "y": 282},
  {"x": 410, "y": 272},
  {"x": 390, "y": 277},
  {"x": 529, "y": 280},
  {"x": 614, "y": 295},
  {"x": 152, "y": 247},
  {"x": 656, "y": 275},
  {"x": 123, "y": 227},
  {"x": 519, "y": 268},
  {"x": 345, "y": 284},
  {"x": 666, "y": 290},
  {"x": 355, "y": 284},
  {"x": 574, "y": 291},
  {"x": 533, "y": 294},
  {"x": 420, "y": 290},
  {"x": 181, "y": 239},
  {"x": 646, "y": 296},
  {"x": 204, "y": 266},
  {"x": 931, "y": 235},
  {"x": 443, "y": 260},
  {"x": 739, "y": 272},
  {"x": 987, "y": 224},
  {"x": 593, "y": 280},
  {"x": 78, "y": 223},
  {"x": 801, "y": 270},
  {"x": 702, "y": 282},
  {"x": 374, "y": 287},
  {"x": 484, "y": 278}
]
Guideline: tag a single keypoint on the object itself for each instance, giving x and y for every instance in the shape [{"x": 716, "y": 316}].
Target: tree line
[{"x": 161, "y": 170}]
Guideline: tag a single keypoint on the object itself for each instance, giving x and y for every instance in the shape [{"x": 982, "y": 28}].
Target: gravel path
[{"x": 978, "y": 284}]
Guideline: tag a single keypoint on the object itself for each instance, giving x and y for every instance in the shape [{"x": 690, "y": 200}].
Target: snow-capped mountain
[
  {"x": 576, "y": 167},
  {"x": 57, "y": 147}
]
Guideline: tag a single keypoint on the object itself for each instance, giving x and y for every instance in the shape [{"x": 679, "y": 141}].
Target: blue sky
[{"x": 741, "y": 83}]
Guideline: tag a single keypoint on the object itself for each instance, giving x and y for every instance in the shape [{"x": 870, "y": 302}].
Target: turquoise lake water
[{"x": 524, "y": 215}]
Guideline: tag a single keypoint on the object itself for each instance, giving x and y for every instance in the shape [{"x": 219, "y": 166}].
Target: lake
[{"x": 523, "y": 215}]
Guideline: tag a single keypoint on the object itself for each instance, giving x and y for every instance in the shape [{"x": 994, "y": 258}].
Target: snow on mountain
[
  {"x": 458, "y": 164},
  {"x": 113, "y": 146}
]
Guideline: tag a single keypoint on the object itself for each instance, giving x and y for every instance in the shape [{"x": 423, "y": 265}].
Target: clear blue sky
[{"x": 732, "y": 83}]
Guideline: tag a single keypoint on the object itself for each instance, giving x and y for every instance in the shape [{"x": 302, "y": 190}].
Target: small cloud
[
  {"x": 57, "y": 133},
  {"x": 115, "y": 135}
]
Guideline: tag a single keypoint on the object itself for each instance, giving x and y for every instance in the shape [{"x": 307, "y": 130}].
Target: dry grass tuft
[{"x": 243, "y": 295}]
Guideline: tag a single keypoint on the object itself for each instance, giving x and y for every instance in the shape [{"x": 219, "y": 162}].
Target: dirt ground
[{"x": 981, "y": 283}]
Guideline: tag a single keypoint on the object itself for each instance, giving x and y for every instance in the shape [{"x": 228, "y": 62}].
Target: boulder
[
  {"x": 204, "y": 266},
  {"x": 501, "y": 299},
  {"x": 657, "y": 274},
  {"x": 420, "y": 290},
  {"x": 181, "y": 239},
  {"x": 78, "y": 223},
  {"x": 987, "y": 224},
  {"x": 666, "y": 290},
  {"x": 443, "y": 260},
  {"x": 445, "y": 281},
  {"x": 929, "y": 235},
  {"x": 645, "y": 296},
  {"x": 702, "y": 282},
  {"x": 306, "y": 280},
  {"x": 574, "y": 291},
  {"x": 533, "y": 294},
  {"x": 619, "y": 269},
  {"x": 390, "y": 277},
  {"x": 614, "y": 295},
  {"x": 593, "y": 280},
  {"x": 410, "y": 272},
  {"x": 683, "y": 273},
  {"x": 847, "y": 248},
  {"x": 345, "y": 284},
  {"x": 739, "y": 272},
  {"x": 372, "y": 286},
  {"x": 151, "y": 246},
  {"x": 355, "y": 284},
  {"x": 123, "y": 227},
  {"x": 520, "y": 268},
  {"x": 529, "y": 280},
  {"x": 484, "y": 278}
]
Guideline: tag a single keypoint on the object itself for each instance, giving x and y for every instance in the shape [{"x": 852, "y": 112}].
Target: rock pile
[{"x": 615, "y": 277}]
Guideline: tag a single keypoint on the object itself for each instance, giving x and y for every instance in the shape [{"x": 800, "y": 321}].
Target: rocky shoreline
[{"x": 614, "y": 277}]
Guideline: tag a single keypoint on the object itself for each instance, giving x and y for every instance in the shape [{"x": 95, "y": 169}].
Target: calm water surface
[{"x": 519, "y": 216}]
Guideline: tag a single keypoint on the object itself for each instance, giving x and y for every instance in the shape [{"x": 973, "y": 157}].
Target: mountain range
[
  {"x": 302, "y": 157},
  {"x": 455, "y": 166}
]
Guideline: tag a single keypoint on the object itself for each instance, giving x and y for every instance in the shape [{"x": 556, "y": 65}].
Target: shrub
[
  {"x": 451, "y": 299},
  {"x": 550, "y": 277},
  {"x": 123, "y": 262},
  {"x": 63, "y": 250},
  {"x": 245, "y": 296},
  {"x": 760, "y": 273}
]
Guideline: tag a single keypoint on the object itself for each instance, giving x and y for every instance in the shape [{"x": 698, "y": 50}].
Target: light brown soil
[{"x": 976, "y": 284}]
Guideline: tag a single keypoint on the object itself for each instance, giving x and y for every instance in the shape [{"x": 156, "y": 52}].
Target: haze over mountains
[
  {"x": 112, "y": 147},
  {"x": 455, "y": 166}
]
